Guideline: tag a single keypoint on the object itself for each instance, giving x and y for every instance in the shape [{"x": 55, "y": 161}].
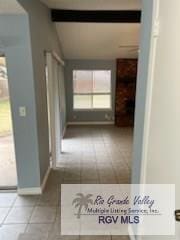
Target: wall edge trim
[{"x": 45, "y": 179}]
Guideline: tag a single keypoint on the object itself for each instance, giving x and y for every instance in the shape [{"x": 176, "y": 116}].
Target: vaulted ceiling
[
  {"x": 98, "y": 40},
  {"x": 94, "y": 4},
  {"x": 10, "y": 7}
]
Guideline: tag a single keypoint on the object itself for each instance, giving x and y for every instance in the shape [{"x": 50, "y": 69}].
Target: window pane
[
  {"x": 82, "y": 101},
  {"x": 102, "y": 82},
  {"x": 82, "y": 81},
  {"x": 102, "y": 101}
]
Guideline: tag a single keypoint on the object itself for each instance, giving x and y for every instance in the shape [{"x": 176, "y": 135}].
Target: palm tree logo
[{"x": 82, "y": 201}]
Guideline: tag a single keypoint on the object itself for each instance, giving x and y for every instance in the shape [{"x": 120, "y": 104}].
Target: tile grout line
[{"x": 10, "y": 208}]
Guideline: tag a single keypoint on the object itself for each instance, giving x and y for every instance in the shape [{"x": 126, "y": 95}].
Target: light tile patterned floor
[{"x": 98, "y": 154}]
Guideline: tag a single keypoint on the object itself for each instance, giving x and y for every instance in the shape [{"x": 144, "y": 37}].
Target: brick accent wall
[{"x": 125, "y": 92}]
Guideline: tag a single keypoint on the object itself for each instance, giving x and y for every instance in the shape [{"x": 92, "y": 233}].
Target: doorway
[
  {"x": 54, "y": 105},
  {"x": 8, "y": 174}
]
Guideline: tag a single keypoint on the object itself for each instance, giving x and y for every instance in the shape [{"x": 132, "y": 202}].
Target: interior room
[
  {"x": 100, "y": 83},
  {"x": 74, "y": 112},
  {"x": 89, "y": 94}
]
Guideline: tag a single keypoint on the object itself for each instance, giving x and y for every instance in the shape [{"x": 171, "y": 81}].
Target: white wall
[
  {"x": 164, "y": 133},
  {"x": 160, "y": 159},
  {"x": 163, "y": 152}
]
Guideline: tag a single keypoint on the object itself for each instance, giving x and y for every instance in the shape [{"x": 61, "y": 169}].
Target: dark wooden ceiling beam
[{"x": 99, "y": 16}]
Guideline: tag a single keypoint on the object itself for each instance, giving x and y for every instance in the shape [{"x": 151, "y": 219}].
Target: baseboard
[
  {"x": 92, "y": 123},
  {"x": 36, "y": 190},
  {"x": 131, "y": 233},
  {"x": 29, "y": 191}
]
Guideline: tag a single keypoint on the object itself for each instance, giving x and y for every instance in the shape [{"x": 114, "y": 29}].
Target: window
[{"x": 91, "y": 89}]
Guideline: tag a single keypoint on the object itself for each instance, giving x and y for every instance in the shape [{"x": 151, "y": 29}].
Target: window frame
[{"x": 92, "y": 94}]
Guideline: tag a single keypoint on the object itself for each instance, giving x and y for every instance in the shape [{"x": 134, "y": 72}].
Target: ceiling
[
  {"x": 98, "y": 40},
  {"x": 10, "y": 7},
  {"x": 94, "y": 4}
]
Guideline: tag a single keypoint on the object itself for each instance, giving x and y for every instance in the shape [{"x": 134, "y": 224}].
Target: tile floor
[{"x": 98, "y": 154}]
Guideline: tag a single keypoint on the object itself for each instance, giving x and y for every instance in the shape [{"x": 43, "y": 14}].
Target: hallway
[{"x": 92, "y": 154}]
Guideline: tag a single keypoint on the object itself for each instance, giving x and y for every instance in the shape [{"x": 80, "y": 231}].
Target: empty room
[
  {"x": 83, "y": 81},
  {"x": 100, "y": 71},
  {"x": 89, "y": 119}
]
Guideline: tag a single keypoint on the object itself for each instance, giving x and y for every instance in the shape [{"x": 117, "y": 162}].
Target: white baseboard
[
  {"x": 29, "y": 191},
  {"x": 131, "y": 233},
  {"x": 91, "y": 123},
  {"x": 36, "y": 190}
]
